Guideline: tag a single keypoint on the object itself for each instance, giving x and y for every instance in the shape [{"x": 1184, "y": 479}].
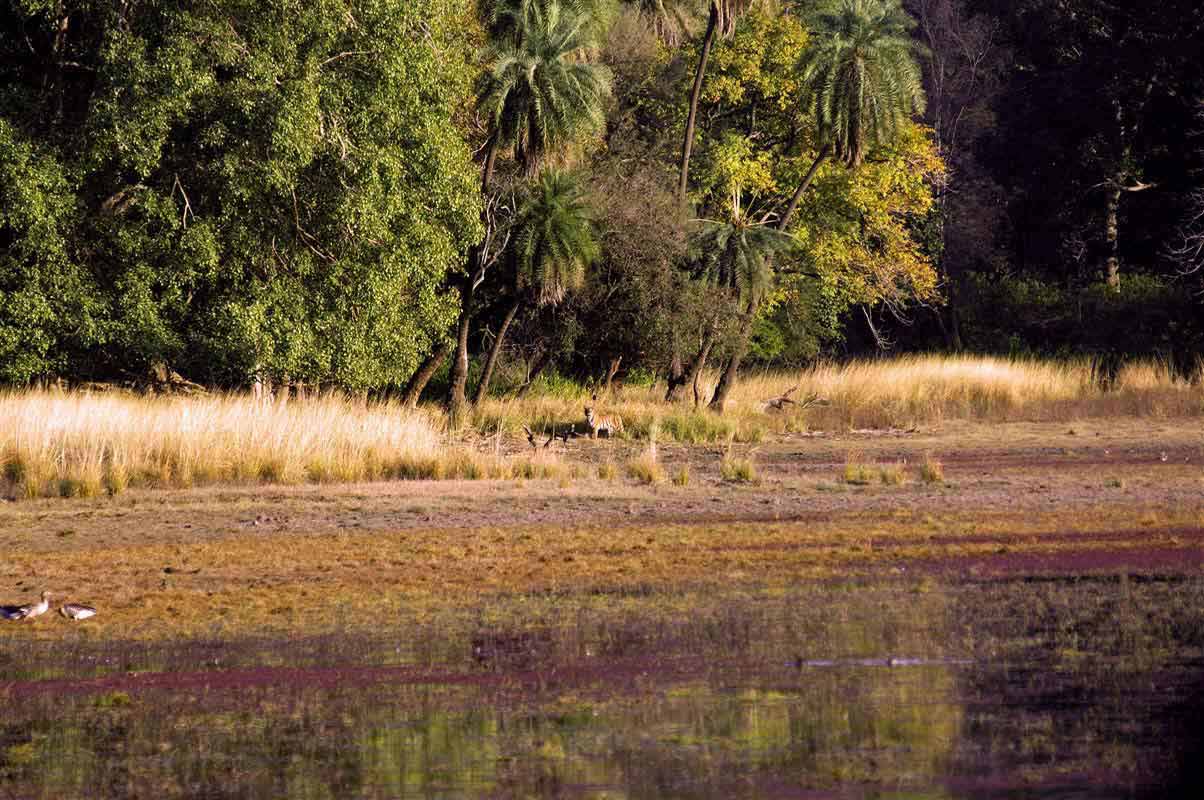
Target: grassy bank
[
  {"x": 80, "y": 444},
  {"x": 896, "y": 393}
]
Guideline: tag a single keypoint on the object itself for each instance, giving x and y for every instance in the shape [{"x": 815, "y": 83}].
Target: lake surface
[{"x": 1059, "y": 688}]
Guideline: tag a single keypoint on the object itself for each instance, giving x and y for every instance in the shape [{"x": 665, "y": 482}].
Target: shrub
[{"x": 893, "y": 474}]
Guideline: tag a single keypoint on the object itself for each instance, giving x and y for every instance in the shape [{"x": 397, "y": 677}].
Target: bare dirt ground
[{"x": 1102, "y": 495}]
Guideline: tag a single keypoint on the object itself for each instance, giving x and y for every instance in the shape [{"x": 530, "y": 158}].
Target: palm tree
[
  {"x": 541, "y": 92},
  {"x": 542, "y": 89},
  {"x": 737, "y": 257},
  {"x": 555, "y": 242},
  {"x": 722, "y": 21},
  {"x": 861, "y": 78}
]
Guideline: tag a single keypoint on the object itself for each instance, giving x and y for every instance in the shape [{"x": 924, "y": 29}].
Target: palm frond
[
  {"x": 861, "y": 74},
  {"x": 557, "y": 239}
]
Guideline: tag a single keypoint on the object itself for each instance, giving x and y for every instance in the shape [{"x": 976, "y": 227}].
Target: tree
[
  {"x": 554, "y": 243},
  {"x": 724, "y": 15},
  {"x": 964, "y": 63},
  {"x": 737, "y": 251},
  {"x": 861, "y": 81},
  {"x": 541, "y": 93},
  {"x": 861, "y": 75},
  {"x": 1089, "y": 140},
  {"x": 232, "y": 189}
]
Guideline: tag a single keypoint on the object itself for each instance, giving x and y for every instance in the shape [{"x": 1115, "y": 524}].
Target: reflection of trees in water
[
  {"x": 1086, "y": 676},
  {"x": 743, "y": 714}
]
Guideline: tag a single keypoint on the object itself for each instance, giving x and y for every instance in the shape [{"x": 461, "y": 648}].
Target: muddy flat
[{"x": 1031, "y": 622}]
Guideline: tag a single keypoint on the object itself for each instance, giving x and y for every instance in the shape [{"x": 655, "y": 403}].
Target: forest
[{"x": 455, "y": 198}]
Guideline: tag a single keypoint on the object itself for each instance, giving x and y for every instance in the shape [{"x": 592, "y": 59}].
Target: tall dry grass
[
  {"x": 76, "y": 444},
  {"x": 900, "y": 392},
  {"x": 915, "y": 390}
]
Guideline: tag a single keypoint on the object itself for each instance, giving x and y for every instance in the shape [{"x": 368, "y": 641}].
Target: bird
[
  {"x": 27, "y": 611},
  {"x": 77, "y": 611}
]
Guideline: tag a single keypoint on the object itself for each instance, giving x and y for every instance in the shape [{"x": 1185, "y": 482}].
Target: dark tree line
[{"x": 1072, "y": 134}]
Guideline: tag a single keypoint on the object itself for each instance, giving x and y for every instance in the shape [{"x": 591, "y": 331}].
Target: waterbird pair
[{"x": 75, "y": 611}]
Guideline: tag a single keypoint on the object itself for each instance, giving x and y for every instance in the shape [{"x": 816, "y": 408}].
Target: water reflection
[{"x": 899, "y": 690}]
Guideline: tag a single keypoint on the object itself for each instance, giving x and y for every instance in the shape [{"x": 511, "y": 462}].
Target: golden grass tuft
[
  {"x": 893, "y": 474},
  {"x": 857, "y": 473},
  {"x": 646, "y": 467},
  {"x": 738, "y": 470},
  {"x": 81, "y": 445}
]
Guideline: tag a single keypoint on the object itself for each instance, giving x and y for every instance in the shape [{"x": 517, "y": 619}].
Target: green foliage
[
  {"x": 556, "y": 238},
  {"x": 735, "y": 254},
  {"x": 46, "y": 298},
  {"x": 541, "y": 90},
  {"x": 1148, "y": 316},
  {"x": 860, "y": 74},
  {"x": 234, "y": 188}
]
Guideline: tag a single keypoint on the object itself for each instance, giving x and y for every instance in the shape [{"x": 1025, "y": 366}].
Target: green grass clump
[
  {"x": 682, "y": 476},
  {"x": 931, "y": 470},
  {"x": 857, "y": 473},
  {"x": 738, "y": 470},
  {"x": 112, "y": 700},
  {"x": 645, "y": 467},
  {"x": 607, "y": 471},
  {"x": 893, "y": 474}
]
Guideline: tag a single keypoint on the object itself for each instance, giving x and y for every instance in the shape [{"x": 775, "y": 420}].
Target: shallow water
[{"x": 1058, "y": 688}]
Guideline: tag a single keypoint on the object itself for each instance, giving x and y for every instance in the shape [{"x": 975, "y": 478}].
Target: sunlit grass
[
  {"x": 84, "y": 445},
  {"x": 738, "y": 470},
  {"x": 894, "y": 393},
  {"x": 931, "y": 470}
]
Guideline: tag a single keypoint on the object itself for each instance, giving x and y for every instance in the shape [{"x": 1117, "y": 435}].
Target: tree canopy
[
  {"x": 232, "y": 188},
  {"x": 346, "y": 193}
]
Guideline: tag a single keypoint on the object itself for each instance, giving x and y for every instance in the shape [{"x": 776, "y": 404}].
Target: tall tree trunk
[
  {"x": 495, "y": 350},
  {"x": 611, "y": 371},
  {"x": 456, "y": 401},
  {"x": 541, "y": 363},
  {"x": 676, "y": 393},
  {"x": 677, "y": 374},
  {"x": 732, "y": 369},
  {"x": 1112, "y": 227},
  {"x": 803, "y": 187},
  {"x": 695, "y": 95},
  {"x": 418, "y": 381},
  {"x": 456, "y": 390},
  {"x": 490, "y": 161},
  {"x": 60, "y": 46}
]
